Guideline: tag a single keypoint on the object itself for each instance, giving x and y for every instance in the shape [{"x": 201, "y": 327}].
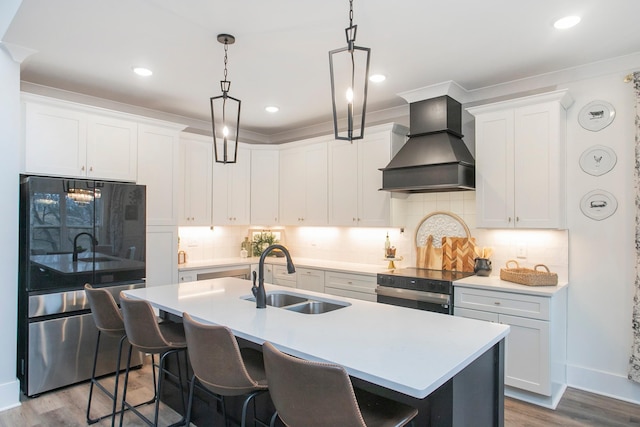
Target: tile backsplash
[{"x": 366, "y": 245}]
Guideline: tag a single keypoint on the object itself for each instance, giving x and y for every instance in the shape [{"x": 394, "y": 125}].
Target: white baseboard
[
  {"x": 551, "y": 402},
  {"x": 9, "y": 395},
  {"x": 603, "y": 383}
]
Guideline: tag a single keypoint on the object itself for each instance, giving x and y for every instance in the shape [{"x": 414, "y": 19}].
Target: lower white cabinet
[
  {"x": 310, "y": 279},
  {"x": 161, "y": 255},
  {"x": 535, "y": 349},
  {"x": 268, "y": 272},
  {"x": 358, "y": 286},
  {"x": 282, "y": 277}
]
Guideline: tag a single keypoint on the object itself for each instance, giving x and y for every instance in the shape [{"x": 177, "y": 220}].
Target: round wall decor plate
[
  {"x": 598, "y": 204},
  {"x": 598, "y": 160},
  {"x": 440, "y": 224},
  {"x": 596, "y": 115}
]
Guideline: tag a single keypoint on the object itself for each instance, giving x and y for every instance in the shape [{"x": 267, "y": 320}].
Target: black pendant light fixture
[
  {"x": 349, "y": 67},
  {"x": 225, "y": 109}
]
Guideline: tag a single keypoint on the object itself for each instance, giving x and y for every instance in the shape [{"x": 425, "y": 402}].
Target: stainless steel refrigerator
[{"x": 73, "y": 232}]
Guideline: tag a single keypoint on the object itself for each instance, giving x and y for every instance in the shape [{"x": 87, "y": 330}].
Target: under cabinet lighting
[{"x": 377, "y": 78}]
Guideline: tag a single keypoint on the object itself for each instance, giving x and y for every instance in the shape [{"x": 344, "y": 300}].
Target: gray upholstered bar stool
[
  {"x": 221, "y": 367},
  {"x": 148, "y": 336},
  {"x": 108, "y": 319},
  {"x": 315, "y": 394}
]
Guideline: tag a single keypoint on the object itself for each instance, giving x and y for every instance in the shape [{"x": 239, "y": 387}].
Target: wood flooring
[{"x": 67, "y": 407}]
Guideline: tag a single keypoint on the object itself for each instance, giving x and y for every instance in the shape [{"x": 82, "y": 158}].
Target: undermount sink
[{"x": 300, "y": 303}]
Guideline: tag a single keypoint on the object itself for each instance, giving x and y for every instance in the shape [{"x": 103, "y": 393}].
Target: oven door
[{"x": 427, "y": 301}]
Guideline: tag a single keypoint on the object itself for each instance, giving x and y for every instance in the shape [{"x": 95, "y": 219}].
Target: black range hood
[{"x": 435, "y": 158}]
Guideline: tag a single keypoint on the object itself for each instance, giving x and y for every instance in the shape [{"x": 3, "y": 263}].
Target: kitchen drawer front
[
  {"x": 487, "y": 316},
  {"x": 530, "y": 306},
  {"x": 310, "y": 279},
  {"x": 351, "y": 282},
  {"x": 364, "y": 296},
  {"x": 282, "y": 278}
]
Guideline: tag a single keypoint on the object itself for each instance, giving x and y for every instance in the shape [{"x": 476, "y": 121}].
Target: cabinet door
[
  {"x": 310, "y": 279},
  {"x": 343, "y": 183},
  {"x": 527, "y": 364},
  {"x": 494, "y": 169},
  {"x": 158, "y": 170},
  {"x": 264, "y": 187},
  {"x": 196, "y": 164},
  {"x": 55, "y": 141},
  {"x": 476, "y": 314},
  {"x": 112, "y": 148},
  {"x": 162, "y": 256},
  {"x": 316, "y": 184},
  {"x": 292, "y": 187},
  {"x": 374, "y": 206},
  {"x": 539, "y": 158},
  {"x": 239, "y": 195}
]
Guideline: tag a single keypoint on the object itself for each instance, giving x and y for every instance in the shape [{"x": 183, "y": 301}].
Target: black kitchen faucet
[{"x": 258, "y": 291}]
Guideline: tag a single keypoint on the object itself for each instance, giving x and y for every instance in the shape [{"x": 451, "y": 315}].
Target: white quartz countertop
[
  {"x": 410, "y": 351},
  {"x": 344, "y": 267},
  {"x": 494, "y": 283}
]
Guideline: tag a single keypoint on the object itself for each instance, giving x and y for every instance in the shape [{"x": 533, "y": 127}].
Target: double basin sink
[{"x": 300, "y": 303}]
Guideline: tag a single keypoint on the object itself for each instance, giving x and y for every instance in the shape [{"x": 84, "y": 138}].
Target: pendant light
[
  {"x": 225, "y": 109},
  {"x": 349, "y": 67}
]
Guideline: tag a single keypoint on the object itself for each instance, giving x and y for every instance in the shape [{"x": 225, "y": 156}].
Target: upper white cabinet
[
  {"x": 355, "y": 178},
  {"x": 520, "y": 162},
  {"x": 264, "y": 186},
  {"x": 158, "y": 170},
  {"x": 196, "y": 176},
  {"x": 303, "y": 183},
  {"x": 68, "y": 139},
  {"x": 231, "y": 190}
]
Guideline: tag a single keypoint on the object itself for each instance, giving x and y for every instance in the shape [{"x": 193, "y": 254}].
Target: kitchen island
[{"x": 450, "y": 368}]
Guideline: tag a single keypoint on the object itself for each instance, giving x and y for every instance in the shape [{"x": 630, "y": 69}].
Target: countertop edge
[{"x": 494, "y": 283}]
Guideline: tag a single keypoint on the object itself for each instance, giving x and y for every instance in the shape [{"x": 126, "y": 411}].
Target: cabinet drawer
[
  {"x": 280, "y": 272},
  {"x": 475, "y": 314},
  {"x": 351, "y": 282},
  {"x": 533, "y": 307},
  {"x": 310, "y": 279}
]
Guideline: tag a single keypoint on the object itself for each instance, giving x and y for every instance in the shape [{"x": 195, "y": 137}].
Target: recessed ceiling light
[
  {"x": 272, "y": 109},
  {"x": 377, "y": 78},
  {"x": 141, "y": 71},
  {"x": 566, "y": 22}
]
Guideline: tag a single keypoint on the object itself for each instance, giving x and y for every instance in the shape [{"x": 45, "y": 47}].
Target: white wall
[{"x": 9, "y": 180}]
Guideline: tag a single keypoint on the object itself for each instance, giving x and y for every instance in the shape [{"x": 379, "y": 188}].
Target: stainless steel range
[{"x": 420, "y": 288}]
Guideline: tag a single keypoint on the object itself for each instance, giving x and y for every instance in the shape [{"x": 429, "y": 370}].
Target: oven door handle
[{"x": 412, "y": 295}]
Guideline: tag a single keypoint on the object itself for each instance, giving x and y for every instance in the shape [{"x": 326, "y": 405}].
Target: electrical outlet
[{"x": 521, "y": 252}]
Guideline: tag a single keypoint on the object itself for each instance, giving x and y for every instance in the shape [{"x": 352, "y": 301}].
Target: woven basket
[{"x": 527, "y": 276}]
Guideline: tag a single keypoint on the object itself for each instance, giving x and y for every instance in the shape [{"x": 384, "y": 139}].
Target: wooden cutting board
[
  {"x": 458, "y": 253},
  {"x": 429, "y": 256}
]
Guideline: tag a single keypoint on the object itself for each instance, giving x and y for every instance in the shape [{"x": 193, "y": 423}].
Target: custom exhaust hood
[{"x": 435, "y": 158}]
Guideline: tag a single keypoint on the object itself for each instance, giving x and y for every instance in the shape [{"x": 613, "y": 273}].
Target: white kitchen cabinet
[
  {"x": 161, "y": 255},
  {"x": 282, "y": 277},
  {"x": 358, "y": 286},
  {"x": 231, "y": 190},
  {"x": 264, "y": 186},
  {"x": 68, "y": 139},
  {"x": 268, "y": 272},
  {"x": 355, "y": 178},
  {"x": 310, "y": 279},
  {"x": 535, "y": 349},
  {"x": 303, "y": 183},
  {"x": 196, "y": 162},
  {"x": 520, "y": 162},
  {"x": 158, "y": 170}
]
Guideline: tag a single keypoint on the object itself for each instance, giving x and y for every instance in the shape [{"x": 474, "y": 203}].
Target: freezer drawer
[{"x": 61, "y": 353}]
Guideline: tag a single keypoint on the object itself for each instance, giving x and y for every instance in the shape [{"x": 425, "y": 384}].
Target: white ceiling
[{"x": 281, "y": 52}]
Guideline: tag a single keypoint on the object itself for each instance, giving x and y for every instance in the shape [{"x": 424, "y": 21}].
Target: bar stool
[
  {"x": 108, "y": 320},
  {"x": 316, "y": 394},
  {"x": 221, "y": 367},
  {"x": 148, "y": 336}
]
